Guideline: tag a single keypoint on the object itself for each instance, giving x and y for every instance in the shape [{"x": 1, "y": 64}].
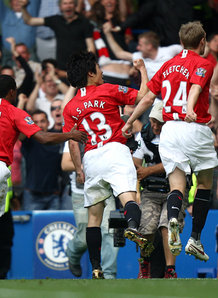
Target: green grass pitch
[{"x": 121, "y": 288}]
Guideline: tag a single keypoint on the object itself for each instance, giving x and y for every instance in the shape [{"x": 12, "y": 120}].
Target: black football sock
[
  {"x": 132, "y": 214},
  {"x": 174, "y": 203},
  {"x": 93, "y": 239},
  {"x": 145, "y": 258},
  {"x": 200, "y": 210}
]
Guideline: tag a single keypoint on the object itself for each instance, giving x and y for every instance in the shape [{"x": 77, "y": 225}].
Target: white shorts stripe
[
  {"x": 187, "y": 146},
  {"x": 108, "y": 169}
]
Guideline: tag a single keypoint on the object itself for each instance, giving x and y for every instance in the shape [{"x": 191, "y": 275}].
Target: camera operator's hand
[{"x": 143, "y": 172}]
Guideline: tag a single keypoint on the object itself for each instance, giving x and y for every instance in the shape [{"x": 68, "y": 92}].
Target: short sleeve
[
  {"x": 50, "y": 21},
  {"x": 202, "y": 74},
  {"x": 66, "y": 148},
  {"x": 69, "y": 121},
  {"x": 155, "y": 83},
  {"x": 25, "y": 124},
  {"x": 121, "y": 94}
]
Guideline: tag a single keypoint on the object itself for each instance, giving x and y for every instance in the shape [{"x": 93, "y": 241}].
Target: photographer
[{"x": 154, "y": 189}]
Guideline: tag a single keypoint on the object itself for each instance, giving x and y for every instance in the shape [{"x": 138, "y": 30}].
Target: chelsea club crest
[{"x": 51, "y": 244}]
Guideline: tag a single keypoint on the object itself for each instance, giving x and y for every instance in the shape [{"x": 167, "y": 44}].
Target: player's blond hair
[{"x": 191, "y": 34}]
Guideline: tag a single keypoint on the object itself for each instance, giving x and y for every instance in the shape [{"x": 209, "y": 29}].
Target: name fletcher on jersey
[
  {"x": 89, "y": 104},
  {"x": 177, "y": 68}
]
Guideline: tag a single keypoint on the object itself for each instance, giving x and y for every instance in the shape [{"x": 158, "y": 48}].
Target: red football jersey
[
  {"x": 12, "y": 122},
  {"x": 95, "y": 110},
  {"x": 174, "y": 80}
]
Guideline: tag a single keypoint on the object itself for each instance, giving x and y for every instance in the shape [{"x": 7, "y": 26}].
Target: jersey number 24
[{"x": 180, "y": 99}]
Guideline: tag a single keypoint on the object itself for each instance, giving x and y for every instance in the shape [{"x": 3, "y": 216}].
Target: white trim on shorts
[
  {"x": 187, "y": 146},
  {"x": 108, "y": 170}
]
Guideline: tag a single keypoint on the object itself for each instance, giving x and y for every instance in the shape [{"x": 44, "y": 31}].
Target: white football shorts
[
  {"x": 5, "y": 173},
  {"x": 108, "y": 170},
  {"x": 187, "y": 146}
]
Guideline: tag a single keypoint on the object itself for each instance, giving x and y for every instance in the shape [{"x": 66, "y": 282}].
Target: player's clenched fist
[{"x": 139, "y": 63}]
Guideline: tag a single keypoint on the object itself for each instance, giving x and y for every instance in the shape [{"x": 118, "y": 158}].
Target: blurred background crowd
[{"x": 36, "y": 39}]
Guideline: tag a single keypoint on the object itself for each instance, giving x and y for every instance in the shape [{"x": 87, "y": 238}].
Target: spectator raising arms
[{"x": 73, "y": 32}]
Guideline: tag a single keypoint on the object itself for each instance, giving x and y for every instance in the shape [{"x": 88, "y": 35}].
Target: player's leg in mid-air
[
  {"x": 177, "y": 181},
  {"x": 185, "y": 147},
  {"x": 199, "y": 214},
  {"x": 132, "y": 214}
]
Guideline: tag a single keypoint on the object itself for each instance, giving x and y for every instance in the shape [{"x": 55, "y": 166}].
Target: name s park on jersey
[{"x": 89, "y": 104}]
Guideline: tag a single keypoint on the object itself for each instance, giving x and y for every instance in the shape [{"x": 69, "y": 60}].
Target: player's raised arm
[
  {"x": 143, "y": 105},
  {"x": 140, "y": 65}
]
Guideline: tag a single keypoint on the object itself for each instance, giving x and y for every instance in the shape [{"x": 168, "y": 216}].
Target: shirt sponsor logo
[
  {"x": 51, "y": 244},
  {"x": 201, "y": 72},
  {"x": 123, "y": 89},
  {"x": 29, "y": 120}
]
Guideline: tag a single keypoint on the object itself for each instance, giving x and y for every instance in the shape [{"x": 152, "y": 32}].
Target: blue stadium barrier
[
  {"x": 207, "y": 273},
  {"x": 39, "y": 246},
  {"x": 41, "y": 237}
]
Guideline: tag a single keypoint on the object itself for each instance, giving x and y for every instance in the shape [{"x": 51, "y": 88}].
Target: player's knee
[
  {"x": 205, "y": 179},
  {"x": 207, "y": 184}
]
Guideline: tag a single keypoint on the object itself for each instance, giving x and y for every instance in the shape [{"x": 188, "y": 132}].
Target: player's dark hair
[
  {"x": 78, "y": 67},
  {"x": 7, "y": 83}
]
